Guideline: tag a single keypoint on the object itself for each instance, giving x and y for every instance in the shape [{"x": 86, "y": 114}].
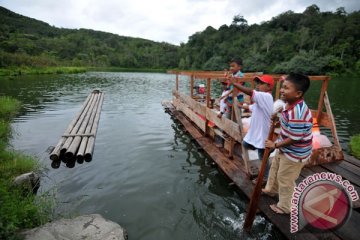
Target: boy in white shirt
[{"x": 261, "y": 111}]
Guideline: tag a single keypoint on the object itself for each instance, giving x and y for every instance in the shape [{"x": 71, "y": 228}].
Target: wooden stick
[
  {"x": 76, "y": 127},
  {"x": 254, "y": 200},
  {"x": 90, "y": 145},
  {"x": 54, "y": 155},
  {"x": 76, "y": 141},
  {"x": 321, "y": 98}
]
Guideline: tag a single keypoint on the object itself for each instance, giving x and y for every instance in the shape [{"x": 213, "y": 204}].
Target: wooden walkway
[{"x": 349, "y": 169}]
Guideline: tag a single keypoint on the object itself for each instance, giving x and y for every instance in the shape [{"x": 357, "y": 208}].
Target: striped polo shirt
[{"x": 296, "y": 123}]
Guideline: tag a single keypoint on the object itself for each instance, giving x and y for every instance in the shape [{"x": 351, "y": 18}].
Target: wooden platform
[{"x": 349, "y": 169}]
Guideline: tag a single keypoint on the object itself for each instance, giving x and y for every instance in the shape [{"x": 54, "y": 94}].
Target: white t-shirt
[{"x": 260, "y": 119}]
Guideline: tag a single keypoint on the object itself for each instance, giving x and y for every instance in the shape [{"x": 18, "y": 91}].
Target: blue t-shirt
[{"x": 240, "y": 96}]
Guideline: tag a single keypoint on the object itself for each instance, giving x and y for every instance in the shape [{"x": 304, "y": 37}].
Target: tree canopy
[{"x": 311, "y": 42}]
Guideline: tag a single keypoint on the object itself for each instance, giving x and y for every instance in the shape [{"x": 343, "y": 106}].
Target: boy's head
[
  {"x": 235, "y": 65},
  {"x": 264, "y": 83},
  {"x": 294, "y": 87}
]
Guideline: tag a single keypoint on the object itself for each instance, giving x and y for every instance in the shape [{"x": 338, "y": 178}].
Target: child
[
  {"x": 224, "y": 108},
  {"x": 225, "y": 111},
  {"x": 235, "y": 69},
  {"x": 294, "y": 142},
  {"x": 261, "y": 109}
]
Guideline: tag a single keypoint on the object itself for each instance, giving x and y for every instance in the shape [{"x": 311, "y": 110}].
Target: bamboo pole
[
  {"x": 90, "y": 145},
  {"x": 77, "y": 139},
  {"x": 68, "y": 141},
  {"x": 254, "y": 200},
  {"x": 54, "y": 155},
  {"x": 81, "y": 151}
]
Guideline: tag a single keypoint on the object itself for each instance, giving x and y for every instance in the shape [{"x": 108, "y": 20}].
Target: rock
[
  {"x": 29, "y": 181},
  {"x": 89, "y": 227}
]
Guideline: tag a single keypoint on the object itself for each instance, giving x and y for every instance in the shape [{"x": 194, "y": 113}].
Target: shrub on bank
[
  {"x": 355, "y": 145},
  {"x": 18, "y": 207}
]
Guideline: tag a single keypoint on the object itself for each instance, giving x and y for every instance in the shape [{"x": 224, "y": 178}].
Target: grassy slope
[{"x": 18, "y": 206}]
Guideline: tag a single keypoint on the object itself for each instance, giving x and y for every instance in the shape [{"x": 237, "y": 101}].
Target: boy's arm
[
  {"x": 243, "y": 89},
  {"x": 227, "y": 94},
  {"x": 286, "y": 142}
]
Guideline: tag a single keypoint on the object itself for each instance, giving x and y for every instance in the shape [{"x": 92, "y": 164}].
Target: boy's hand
[{"x": 269, "y": 144}]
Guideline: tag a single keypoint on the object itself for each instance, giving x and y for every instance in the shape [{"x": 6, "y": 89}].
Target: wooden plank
[
  {"x": 229, "y": 127},
  {"x": 336, "y": 168},
  {"x": 193, "y": 104},
  {"x": 352, "y": 160},
  {"x": 190, "y": 114}
]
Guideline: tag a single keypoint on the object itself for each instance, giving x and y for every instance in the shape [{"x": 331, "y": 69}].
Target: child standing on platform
[{"x": 294, "y": 144}]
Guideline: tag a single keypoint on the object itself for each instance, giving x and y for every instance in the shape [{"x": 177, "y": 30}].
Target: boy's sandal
[
  {"x": 276, "y": 209},
  {"x": 270, "y": 194}
]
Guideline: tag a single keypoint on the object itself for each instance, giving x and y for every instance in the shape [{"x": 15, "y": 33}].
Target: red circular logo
[{"x": 325, "y": 205}]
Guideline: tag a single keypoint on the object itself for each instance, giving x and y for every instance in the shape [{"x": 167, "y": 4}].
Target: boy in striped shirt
[{"x": 294, "y": 143}]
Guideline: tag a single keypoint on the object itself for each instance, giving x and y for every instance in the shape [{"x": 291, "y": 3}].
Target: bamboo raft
[
  {"x": 233, "y": 160},
  {"x": 79, "y": 138}
]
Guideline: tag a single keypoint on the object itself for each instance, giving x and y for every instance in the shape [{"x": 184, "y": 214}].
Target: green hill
[
  {"x": 28, "y": 42},
  {"x": 312, "y": 42}
]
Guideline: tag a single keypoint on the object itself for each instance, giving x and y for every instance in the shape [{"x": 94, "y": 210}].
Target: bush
[
  {"x": 8, "y": 107},
  {"x": 355, "y": 145}
]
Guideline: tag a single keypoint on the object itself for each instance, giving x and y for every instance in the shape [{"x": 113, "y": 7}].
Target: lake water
[{"x": 146, "y": 174}]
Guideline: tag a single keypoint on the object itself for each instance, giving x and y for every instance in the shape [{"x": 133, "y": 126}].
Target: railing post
[
  {"x": 177, "y": 82},
  {"x": 192, "y": 86},
  {"x": 208, "y": 90}
]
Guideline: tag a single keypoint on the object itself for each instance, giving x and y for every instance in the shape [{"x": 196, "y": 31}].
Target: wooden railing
[{"x": 233, "y": 127}]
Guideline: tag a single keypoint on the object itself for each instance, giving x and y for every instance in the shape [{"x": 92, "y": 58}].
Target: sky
[{"x": 171, "y": 21}]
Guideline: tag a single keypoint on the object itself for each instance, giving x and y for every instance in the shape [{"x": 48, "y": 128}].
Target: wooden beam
[
  {"x": 244, "y": 151},
  {"x": 277, "y": 91},
  {"x": 192, "y": 86},
  {"x": 208, "y": 96},
  {"x": 321, "y": 99},
  {"x": 177, "y": 82},
  {"x": 229, "y": 127},
  {"x": 193, "y": 104},
  {"x": 332, "y": 120},
  {"x": 190, "y": 114}
]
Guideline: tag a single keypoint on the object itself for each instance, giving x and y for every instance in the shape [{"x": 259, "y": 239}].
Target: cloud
[{"x": 161, "y": 20}]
